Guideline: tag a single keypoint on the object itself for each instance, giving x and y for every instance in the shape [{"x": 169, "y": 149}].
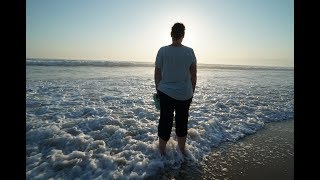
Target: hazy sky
[{"x": 244, "y": 32}]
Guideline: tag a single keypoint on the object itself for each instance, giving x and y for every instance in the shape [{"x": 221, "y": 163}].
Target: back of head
[{"x": 177, "y": 31}]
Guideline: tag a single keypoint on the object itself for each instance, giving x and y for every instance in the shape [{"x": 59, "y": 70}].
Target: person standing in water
[{"x": 175, "y": 79}]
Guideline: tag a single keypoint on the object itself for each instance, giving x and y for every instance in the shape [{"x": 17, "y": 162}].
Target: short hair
[{"x": 177, "y": 31}]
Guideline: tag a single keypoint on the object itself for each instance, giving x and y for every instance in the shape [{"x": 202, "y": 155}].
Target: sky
[{"x": 238, "y": 32}]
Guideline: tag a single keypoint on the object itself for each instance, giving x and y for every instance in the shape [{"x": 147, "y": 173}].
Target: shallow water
[{"x": 100, "y": 122}]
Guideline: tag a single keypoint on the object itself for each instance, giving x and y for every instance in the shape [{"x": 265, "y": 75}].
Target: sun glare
[{"x": 196, "y": 34}]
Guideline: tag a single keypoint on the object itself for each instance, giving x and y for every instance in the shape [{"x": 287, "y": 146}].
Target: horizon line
[{"x": 147, "y": 62}]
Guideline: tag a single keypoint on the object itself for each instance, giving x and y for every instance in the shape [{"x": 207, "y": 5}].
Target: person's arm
[
  {"x": 157, "y": 76},
  {"x": 193, "y": 73}
]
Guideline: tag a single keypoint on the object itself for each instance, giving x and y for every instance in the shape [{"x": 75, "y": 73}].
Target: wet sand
[{"x": 266, "y": 154}]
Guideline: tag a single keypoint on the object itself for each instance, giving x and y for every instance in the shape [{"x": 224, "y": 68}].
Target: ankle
[
  {"x": 162, "y": 146},
  {"x": 181, "y": 143}
]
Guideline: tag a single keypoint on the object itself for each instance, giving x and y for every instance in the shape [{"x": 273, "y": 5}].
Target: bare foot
[{"x": 162, "y": 153}]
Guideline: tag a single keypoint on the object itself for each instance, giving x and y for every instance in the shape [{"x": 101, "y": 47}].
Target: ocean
[{"x": 97, "y": 119}]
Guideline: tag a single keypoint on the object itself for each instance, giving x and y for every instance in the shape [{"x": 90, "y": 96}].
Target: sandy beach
[{"x": 267, "y": 154}]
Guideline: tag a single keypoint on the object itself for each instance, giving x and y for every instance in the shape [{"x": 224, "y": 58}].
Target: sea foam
[{"x": 101, "y": 122}]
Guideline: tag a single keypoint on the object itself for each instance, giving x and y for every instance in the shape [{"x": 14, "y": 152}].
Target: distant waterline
[{"x": 110, "y": 63}]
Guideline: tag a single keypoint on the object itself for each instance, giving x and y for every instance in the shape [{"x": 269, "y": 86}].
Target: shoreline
[{"x": 266, "y": 154}]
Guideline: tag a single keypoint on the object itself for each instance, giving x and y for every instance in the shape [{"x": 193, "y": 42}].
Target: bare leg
[
  {"x": 162, "y": 145},
  {"x": 182, "y": 143}
]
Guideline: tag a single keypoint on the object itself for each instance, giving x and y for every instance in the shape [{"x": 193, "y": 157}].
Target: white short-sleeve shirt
[{"x": 174, "y": 63}]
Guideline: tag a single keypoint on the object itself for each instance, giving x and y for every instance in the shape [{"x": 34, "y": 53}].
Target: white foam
[{"x": 105, "y": 126}]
